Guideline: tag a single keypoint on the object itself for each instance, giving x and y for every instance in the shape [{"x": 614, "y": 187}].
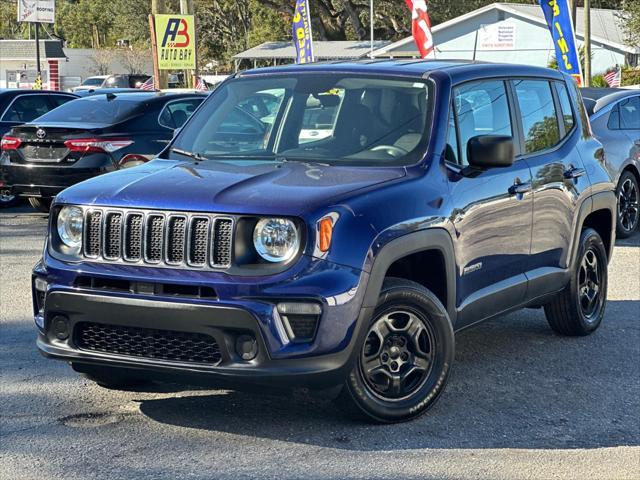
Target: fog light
[
  {"x": 300, "y": 320},
  {"x": 60, "y": 327},
  {"x": 246, "y": 347},
  {"x": 41, "y": 284}
]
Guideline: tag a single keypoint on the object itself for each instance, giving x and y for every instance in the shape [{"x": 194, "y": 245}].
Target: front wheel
[
  {"x": 7, "y": 199},
  {"x": 406, "y": 357},
  {"x": 579, "y": 308}
]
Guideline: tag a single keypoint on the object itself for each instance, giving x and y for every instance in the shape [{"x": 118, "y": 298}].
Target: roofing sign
[
  {"x": 42, "y": 11},
  {"x": 176, "y": 41}
]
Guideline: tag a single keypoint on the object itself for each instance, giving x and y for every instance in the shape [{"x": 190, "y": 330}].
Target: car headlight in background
[
  {"x": 276, "y": 239},
  {"x": 70, "y": 221}
]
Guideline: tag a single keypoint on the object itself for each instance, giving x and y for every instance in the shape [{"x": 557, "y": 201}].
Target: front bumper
[{"x": 243, "y": 309}]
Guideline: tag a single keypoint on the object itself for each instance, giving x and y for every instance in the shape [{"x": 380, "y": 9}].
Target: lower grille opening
[
  {"x": 146, "y": 288},
  {"x": 148, "y": 343}
]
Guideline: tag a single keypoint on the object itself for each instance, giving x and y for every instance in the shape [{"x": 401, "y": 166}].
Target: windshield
[
  {"x": 93, "y": 81},
  {"x": 324, "y": 118},
  {"x": 94, "y": 109}
]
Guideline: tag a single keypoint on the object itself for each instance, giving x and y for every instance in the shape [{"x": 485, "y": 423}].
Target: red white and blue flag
[
  {"x": 201, "y": 85},
  {"x": 421, "y": 26},
  {"x": 148, "y": 85},
  {"x": 614, "y": 78}
]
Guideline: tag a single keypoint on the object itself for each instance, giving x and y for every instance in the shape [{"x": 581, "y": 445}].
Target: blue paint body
[{"x": 524, "y": 243}]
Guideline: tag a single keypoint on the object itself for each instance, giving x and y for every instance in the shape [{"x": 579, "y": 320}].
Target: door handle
[
  {"x": 574, "y": 172},
  {"x": 520, "y": 188}
]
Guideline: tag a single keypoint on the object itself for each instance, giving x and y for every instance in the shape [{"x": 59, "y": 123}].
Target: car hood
[{"x": 249, "y": 187}]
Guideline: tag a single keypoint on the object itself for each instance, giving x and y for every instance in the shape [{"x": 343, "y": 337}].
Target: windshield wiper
[
  {"x": 186, "y": 153},
  {"x": 307, "y": 160}
]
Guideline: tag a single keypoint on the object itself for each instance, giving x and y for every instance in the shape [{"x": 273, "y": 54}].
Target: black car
[
  {"x": 125, "y": 81},
  {"x": 88, "y": 137},
  {"x": 20, "y": 106}
]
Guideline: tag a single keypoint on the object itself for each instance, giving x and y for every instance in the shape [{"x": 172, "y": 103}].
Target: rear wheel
[
  {"x": 628, "y": 209},
  {"x": 405, "y": 360},
  {"x": 579, "y": 308},
  {"x": 6, "y": 199},
  {"x": 109, "y": 377},
  {"x": 41, "y": 204}
]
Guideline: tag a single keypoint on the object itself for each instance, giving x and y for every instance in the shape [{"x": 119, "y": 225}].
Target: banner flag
[
  {"x": 302, "y": 38},
  {"x": 421, "y": 26},
  {"x": 558, "y": 16}
]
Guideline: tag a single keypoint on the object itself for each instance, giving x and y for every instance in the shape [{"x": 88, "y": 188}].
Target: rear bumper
[
  {"x": 30, "y": 180},
  {"x": 224, "y": 324}
]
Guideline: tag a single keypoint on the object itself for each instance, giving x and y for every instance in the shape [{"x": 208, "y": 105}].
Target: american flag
[
  {"x": 614, "y": 78},
  {"x": 148, "y": 84},
  {"x": 201, "y": 85}
]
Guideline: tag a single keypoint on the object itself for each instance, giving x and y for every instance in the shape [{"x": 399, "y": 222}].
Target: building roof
[
  {"x": 606, "y": 26},
  {"x": 26, "y": 49},
  {"x": 321, "y": 50}
]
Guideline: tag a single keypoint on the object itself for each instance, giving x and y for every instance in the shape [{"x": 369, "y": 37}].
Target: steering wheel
[{"x": 390, "y": 149}]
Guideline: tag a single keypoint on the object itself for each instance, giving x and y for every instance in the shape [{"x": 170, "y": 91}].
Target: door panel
[
  {"x": 492, "y": 219},
  {"x": 559, "y": 176}
]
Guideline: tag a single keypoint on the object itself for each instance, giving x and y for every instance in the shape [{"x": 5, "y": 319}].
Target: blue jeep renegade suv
[{"x": 330, "y": 226}]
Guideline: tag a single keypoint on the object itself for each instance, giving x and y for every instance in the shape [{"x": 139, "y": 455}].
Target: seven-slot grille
[{"x": 158, "y": 238}]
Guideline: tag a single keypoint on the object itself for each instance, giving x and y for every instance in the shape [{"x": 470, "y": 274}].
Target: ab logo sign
[{"x": 175, "y": 38}]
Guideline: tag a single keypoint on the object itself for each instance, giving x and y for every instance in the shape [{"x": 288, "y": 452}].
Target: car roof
[
  {"x": 458, "y": 70},
  {"x": 24, "y": 91},
  {"x": 142, "y": 96},
  {"x": 595, "y": 99}
]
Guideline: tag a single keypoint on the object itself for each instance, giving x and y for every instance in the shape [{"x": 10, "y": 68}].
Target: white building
[{"x": 517, "y": 33}]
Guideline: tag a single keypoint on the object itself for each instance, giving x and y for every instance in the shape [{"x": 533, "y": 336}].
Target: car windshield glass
[
  {"x": 93, "y": 81},
  {"x": 322, "y": 118},
  {"x": 95, "y": 109}
]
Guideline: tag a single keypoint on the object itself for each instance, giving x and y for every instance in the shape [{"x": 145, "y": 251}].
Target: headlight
[
  {"x": 276, "y": 239},
  {"x": 70, "y": 222}
]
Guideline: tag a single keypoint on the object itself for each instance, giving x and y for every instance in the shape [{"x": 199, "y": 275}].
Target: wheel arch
[
  {"x": 598, "y": 212},
  {"x": 432, "y": 243}
]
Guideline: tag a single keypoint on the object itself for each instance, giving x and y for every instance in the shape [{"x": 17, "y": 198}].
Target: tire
[
  {"x": 109, "y": 377},
  {"x": 628, "y": 213},
  {"x": 411, "y": 344},
  {"x": 6, "y": 199},
  {"x": 41, "y": 204},
  {"x": 578, "y": 310}
]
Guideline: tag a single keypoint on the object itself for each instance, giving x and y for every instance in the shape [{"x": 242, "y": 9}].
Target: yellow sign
[{"x": 176, "y": 41}]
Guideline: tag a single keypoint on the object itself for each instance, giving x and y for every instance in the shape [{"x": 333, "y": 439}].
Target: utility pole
[
  {"x": 38, "y": 83},
  {"x": 186, "y": 8},
  {"x": 587, "y": 43},
  {"x": 371, "y": 26},
  {"x": 160, "y": 80}
]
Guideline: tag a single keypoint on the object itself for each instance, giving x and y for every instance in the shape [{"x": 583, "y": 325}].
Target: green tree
[{"x": 631, "y": 19}]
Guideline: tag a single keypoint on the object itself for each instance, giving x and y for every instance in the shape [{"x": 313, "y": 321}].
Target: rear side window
[
  {"x": 539, "y": 120},
  {"x": 58, "y": 100},
  {"x": 481, "y": 109},
  {"x": 26, "y": 108},
  {"x": 565, "y": 106},
  {"x": 175, "y": 114},
  {"x": 630, "y": 113}
]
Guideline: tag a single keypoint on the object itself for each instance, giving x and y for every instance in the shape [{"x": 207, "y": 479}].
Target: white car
[{"x": 91, "y": 83}]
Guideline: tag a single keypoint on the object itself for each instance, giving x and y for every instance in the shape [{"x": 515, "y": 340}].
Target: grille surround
[
  {"x": 146, "y": 238},
  {"x": 148, "y": 343}
]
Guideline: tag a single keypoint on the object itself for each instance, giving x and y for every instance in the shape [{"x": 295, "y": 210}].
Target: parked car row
[{"x": 57, "y": 140}]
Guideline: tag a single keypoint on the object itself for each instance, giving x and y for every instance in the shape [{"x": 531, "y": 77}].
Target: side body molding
[{"x": 429, "y": 239}]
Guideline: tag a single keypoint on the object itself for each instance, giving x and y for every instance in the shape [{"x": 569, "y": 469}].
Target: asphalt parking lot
[{"x": 522, "y": 403}]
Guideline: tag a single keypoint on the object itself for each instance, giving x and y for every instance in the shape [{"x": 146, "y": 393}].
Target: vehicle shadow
[{"x": 515, "y": 385}]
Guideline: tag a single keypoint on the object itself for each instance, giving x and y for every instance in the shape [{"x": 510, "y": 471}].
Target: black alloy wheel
[
  {"x": 404, "y": 357},
  {"x": 628, "y": 210},
  {"x": 398, "y": 354}
]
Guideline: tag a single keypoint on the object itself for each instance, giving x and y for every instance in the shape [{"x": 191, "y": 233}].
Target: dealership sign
[
  {"x": 175, "y": 41},
  {"x": 42, "y": 11},
  {"x": 497, "y": 36}
]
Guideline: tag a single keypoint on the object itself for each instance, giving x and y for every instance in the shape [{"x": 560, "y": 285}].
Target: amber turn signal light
[{"x": 325, "y": 230}]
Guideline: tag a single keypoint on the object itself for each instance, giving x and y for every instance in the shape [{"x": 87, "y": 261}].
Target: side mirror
[{"x": 488, "y": 151}]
